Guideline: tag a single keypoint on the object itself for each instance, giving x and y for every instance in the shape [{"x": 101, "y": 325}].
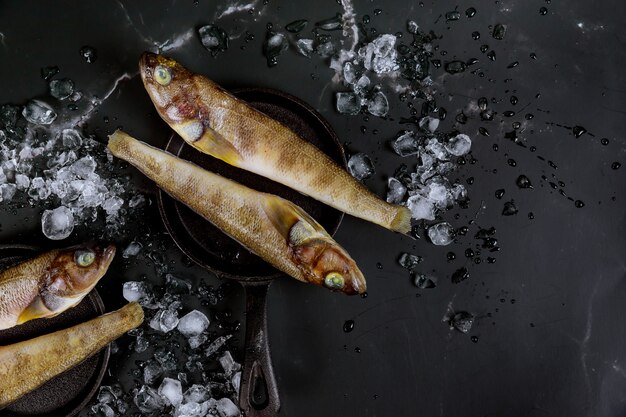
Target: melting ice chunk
[
  {"x": 441, "y": 234},
  {"x": 84, "y": 167},
  {"x": 193, "y": 323},
  {"x": 71, "y": 139},
  {"x": 151, "y": 372},
  {"x": 213, "y": 38},
  {"x": 38, "y": 112},
  {"x": 228, "y": 363},
  {"x": 135, "y": 291},
  {"x": 148, "y": 400},
  {"x": 22, "y": 181},
  {"x": 348, "y": 103},
  {"x": 164, "y": 321},
  {"x": 305, "y": 46},
  {"x": 378, "y": 105},
  {"x": 395, "y": 191},
  {"x": 429, "y": 124},
  {"x": 360, "y": 166},
  {"x": 409, "y": 261},
  {"x": 459, "y": 145},
  {"x": 406, "y": 144},
  {"x": 380, "y": 55},
  {"x": 61, "y": 89},
  {"x": 57, "y": 224},
  {"x": 421, "y": 207},
  {"x": 226, "y": 408},
  {"x": 196, "y": 394},
  {"x": 171, "y": 390},
  {"x": 132, "y": 249},
  {"x": 462, "y": 321},
  {"x": 7, "y": 192}
]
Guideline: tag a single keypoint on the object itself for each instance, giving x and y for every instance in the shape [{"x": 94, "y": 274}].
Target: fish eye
[
  {"x": 334, "y": 281},
  {"x": 162, "y": 75},
  {"x": 84, "y": 257}
]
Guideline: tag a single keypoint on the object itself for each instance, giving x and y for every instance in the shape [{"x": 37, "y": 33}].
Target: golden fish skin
[
  {"x": 50, "y": 283},
  {"x": 27, "y": 365},
  {"x": 275, "y": 229},
  {"x": 219, "y": 124}
]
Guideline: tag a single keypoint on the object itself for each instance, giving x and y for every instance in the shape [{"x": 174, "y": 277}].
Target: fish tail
[{"x": 402, "y": 222}]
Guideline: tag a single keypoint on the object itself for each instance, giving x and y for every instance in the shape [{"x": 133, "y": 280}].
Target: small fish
[
  {"x": 27, "y": 365},
  {"x": 50, "y": 283},
  {"x": 277, "y": 230},
  {"x": 215, "y": 122}
]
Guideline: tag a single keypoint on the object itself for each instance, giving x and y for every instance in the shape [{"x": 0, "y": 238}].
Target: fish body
[
  {"x": 275, "y": 229},
  {"x": 50, "y": 283},
  {"x": 26, "y": 365},
  {"x": 215, "y": 122}
]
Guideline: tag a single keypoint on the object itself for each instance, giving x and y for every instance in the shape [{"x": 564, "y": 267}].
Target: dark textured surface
[
  {"x": 550, "y": 333},
  {"x": 66, "y": 394}
]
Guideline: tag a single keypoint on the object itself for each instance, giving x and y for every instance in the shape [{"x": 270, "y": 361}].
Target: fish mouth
[
  {"x": 108, "y": 254},
  {"x": 147, "y": 62}
]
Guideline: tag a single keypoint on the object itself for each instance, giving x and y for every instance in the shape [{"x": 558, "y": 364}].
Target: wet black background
[{"x": 550, "y": 332}]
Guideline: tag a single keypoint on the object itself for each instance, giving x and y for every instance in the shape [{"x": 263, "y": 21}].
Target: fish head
[
  {"x": 168, "y": 85},
  {"x": 76, "y": 270},
  {"x": 325, "y": 263}
]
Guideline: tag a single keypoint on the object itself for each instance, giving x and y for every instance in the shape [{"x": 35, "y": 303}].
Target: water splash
[{"x": 237, "y": 7}]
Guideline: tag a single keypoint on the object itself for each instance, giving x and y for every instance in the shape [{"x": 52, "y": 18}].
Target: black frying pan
[
  {"x": 212, "y": 249},
  {"x": 66, "y": 394}
]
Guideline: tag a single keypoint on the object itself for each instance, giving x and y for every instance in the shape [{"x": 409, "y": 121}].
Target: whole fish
[
  {"x": 50, "y": 283},
  {"x": 27, "y": 365},
  {"x": 277, "y": 230},
  {"x": 215, "y": 122}
]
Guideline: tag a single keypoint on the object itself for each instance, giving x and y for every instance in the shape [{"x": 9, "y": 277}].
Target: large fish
[
  {"x": 217, "y": 123},
  {"x": 27, "y": 365},
  {"x": 51, "y": 283},
  {"x": 277, "y": 230}
]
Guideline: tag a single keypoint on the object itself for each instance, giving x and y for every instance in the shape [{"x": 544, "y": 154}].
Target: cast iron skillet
[
  {"x": 68, "y": 393},
  {"x": 212, "y": 249}
]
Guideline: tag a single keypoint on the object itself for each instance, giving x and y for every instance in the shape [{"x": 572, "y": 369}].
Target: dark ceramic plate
[{"x": 68, "y": 393}]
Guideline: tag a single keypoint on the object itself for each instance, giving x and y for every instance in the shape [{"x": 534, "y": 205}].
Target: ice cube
[
  {"x": 136, "y": 201},
  {"x": 193, "y": 323},
  {"x": 441, "y": 234},
  {"x": 305, "y": 46},
  {"x": 7, "y": 191},
  {"x": 459, "y": 145},
  {"x": 107, "y": 394},
  {"x": 406, "y": 144},
  {"x": 166, "y": 358},
  {"x": 141, "y": 344},
  {"x": 378, "y": 105},
  {"x": 462, "y": 321},
  {"x": 164, "y": 321},
  {"x": 380, "y": 55},
  {"x": 439, "y": 192},
  {"x": 191, "y": 409},
  {"x": 148, "y": 400},
  {"x": 152, "y": 371},
  {"x": 84, "y": 167},
  {"x": 275, "y": 44},
  {"x": 22, "y": 182},
  {"x": 39, "y": 189},
  {"x": 71, "y": 139},
  {"x": 424, "y": 281},
  {"x": 348, "y": 103},
  {"x": 409, "y": 261},
  {"x": 216, "y": 345},
  {"x": 421, "y": 207},
  {"x": 171, "y": 390},
  {"x": 395, "y": 191},
  {"x": 135, "y": 291},
  {"x": 196, "y": 394},
  {"x": 213, "y": 38},
  {"x": 235, "y": 380},
  {"x": 228, "y": 363},
  {"x": 412, "y": 27},
  {"x": 436, "y": 149},
  {"x": 459, "y": 192},
  {"x": 57, "y": 224},
  {"x": 226, "y": 408},
  {"x": 349, "y": 72},
  {"x": 102, "y": 410},
  {"x": 429, "y": 124},
  {"x": 112, "y": 205},
  {"x": 39, "y": 112},
  {"x": 61, "y": 89},
  {"x": 325, "y": 49},
  {"x": 132, "y": 249},
  {"x": 360, "y": 166},
  {"x": 362, "y": 86},
  {"x": 196, "y": 341}
]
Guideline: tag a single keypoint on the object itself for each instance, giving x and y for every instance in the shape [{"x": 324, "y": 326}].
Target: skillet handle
[{"x": 258, "y": 396}]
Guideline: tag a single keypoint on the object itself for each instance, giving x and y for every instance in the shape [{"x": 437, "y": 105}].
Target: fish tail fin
[
  {"x": 118, "y": 142},
  {"x": 402, "y": 222}
]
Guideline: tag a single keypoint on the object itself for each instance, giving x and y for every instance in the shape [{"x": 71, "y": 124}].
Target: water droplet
[
  {"x": 529, "y": 116},
  {"x": 451, "y": 256},
  {"x": 379, "y": 265},
  {"x": 48, "y": 72},
  {"x": 511, "y": 162},
  {"x": 543, "y": 11},
  {"x": 474, "y": 339},
  {"x": 495, "y": 147},
  {"x": 460, "y": 275},
  {"x": 348, "y": 326},
  {"x": 533, "y": 55},
  {"x": 296, "y": 26},
  {"x": 523, "y": 182},
  {"x": 509, "y": 209},
  {"x": 579, "y": 131},
  {"x": 377, "y": 12},
  {"x": 469, "y": 253},
  {"x": 461, "y": 118},
  {"x": 453, "y": 15},
  {"x": 89, "y": 54},
  {"x": 483, "y": 131},
  {"x": 509, "y": 113},
  {"x": 357, "y": 349},
  {"x": 455, "y": 67},
  {"x": 616, "y": 165},
  {"x": 604, "y": 141},
  {"x": 470, "y": 12},
  {"x": 500, "y": 193},
  {"x": 531, "y": 216},
  {"x": 491, "y": 260},
  {"x": 475, "y": 35},
  {"x": 513, "y": 64},
  {"x": 491, "y": 55}
]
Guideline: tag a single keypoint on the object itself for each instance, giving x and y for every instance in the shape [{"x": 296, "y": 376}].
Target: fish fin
[
  {"x": 402, "y": 222},
  {"x": 214, "y": 144},
  {"x": 35, "y": 310},
  {"x": 293, "y": 223}
]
